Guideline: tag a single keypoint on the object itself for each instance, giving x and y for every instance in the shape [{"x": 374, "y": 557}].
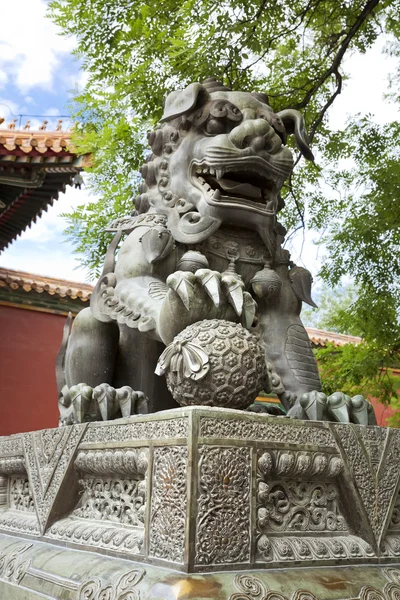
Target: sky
[{"x": 37, "y": 75}]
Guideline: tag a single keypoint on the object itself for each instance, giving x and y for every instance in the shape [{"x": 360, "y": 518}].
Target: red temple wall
[{"x": 29, "y": 342}]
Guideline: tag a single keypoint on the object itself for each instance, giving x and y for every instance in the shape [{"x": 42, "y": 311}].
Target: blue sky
[{"x": 37, "y": 74}]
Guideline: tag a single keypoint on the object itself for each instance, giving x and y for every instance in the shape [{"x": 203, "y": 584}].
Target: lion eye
[{"x": 215, "y": 126}]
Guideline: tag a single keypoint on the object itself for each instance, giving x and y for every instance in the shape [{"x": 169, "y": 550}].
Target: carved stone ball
[{"x": 216, "y": 363}]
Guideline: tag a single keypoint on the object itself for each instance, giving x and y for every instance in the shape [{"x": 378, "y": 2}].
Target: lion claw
[
  {"x": 234, "y": 286},
  {"x": 84, "y": 408},
  {"x": 131, "y": 402},
  {"x": 182, "y": 282},
  {"x": 249, "y": 310},
  {"x": 105, "y": 396},
  {"x": 210, "y": 280}
]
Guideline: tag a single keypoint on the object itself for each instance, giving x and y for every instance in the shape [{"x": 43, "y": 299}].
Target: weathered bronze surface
[
  {"x": 201, "y": 502},
  {"x": 204, "y": 245}
]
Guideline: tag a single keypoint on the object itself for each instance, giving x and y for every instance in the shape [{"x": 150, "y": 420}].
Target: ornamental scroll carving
[
  {"x": 124, "y": 540},
  {"x": 250, "y": 587},
  {"x": 121, "y": 589},
  {"x": 303, "y": 503},
  {"x": 117, "y": 500},
  {"x": 14, "y": 565},
  {"x": 281, "y": 549},
  {"x": 297, "y": 496},
  {"x": 20, "y": 497},
  {"x": 132, "y": 461},
  {"x": 223, "y": 507},
  {"x": 169, "y": 503},
  {"x": 298, "y": 506}
]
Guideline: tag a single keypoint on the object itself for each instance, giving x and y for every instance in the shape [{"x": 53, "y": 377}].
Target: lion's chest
[{"x": 243, "y": 247}]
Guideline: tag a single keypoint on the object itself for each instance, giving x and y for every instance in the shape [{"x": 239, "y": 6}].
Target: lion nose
[{"x": 253, "y": 133}]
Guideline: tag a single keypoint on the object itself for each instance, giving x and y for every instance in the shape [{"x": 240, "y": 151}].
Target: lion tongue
[{"x": 241, "y": 189}]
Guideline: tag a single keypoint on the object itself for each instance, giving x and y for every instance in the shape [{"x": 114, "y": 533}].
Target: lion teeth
[{"x": 219, "y": 173}]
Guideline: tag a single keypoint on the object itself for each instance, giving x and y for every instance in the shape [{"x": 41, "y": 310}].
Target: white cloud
[
  {"x": 363, "y": 92},
  {"x": 8, "y": 108},
  {"x": 47, "y": 261},
  {"x": 52, "y": 112},
  {"x": 30, "y": 45}
]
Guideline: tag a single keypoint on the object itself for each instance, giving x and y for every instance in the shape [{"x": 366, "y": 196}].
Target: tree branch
[
  {"x": 333, "y": 69},
  {"x": 318, "y": 120}
]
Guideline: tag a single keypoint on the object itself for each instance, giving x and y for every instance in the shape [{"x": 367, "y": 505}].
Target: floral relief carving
[
  {"x": 20, "y": 497},
  {"x": 395, "y": 520},
  {"x": 11, "y": 445},
  {"x": 223, "y": 507},
  {"x": 267, "y": 429},
  {"x": 3, "y": 492},
  {"x": 115, "y": 500},
  {"x": 146, "y": 430},
  {"x": 169, "y": 503}
]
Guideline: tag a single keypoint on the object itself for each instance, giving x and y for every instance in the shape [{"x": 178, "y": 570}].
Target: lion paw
[{"x": 104, "y": 402}]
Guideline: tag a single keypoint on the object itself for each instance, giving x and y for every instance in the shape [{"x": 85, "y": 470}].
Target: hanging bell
[
  {"x": 266, "y": 283},
  {"x": 192, "y": 261}
]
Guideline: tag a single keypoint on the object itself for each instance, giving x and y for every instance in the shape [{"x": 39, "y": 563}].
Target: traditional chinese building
[{"x": 35, "y": 166}]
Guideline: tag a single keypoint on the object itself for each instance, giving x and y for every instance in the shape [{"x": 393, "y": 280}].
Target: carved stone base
[
  {"x": 205, "y": 489},
  {"x": 31, "y": 570}
]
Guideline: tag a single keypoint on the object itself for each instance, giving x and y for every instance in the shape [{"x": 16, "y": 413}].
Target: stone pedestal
[{"x": 200, "y": 491}]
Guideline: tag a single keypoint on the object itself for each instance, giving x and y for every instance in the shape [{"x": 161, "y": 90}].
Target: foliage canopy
[{"x": 136, "y": 52}]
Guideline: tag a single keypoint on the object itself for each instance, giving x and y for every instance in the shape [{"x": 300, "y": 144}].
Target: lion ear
[{"x": 181, "y": 102}]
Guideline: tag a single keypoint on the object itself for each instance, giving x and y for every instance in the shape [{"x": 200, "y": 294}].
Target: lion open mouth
[{"x": 243, "y": 185}]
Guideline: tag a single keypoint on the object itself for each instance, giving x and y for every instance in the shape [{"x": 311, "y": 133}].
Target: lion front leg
[{"x": 87, "y": 392}]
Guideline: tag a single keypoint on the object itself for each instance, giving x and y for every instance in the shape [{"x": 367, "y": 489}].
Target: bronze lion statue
[{"x": 203, "y": 244}]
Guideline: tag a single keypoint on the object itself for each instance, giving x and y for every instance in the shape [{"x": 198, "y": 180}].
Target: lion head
[{"x": 219, "y": 157}]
